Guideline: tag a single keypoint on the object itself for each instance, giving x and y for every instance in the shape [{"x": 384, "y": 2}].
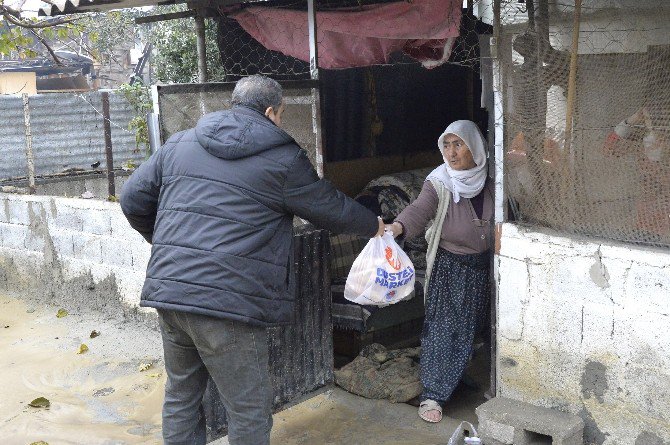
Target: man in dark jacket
[{"x": 217, "y": 204}]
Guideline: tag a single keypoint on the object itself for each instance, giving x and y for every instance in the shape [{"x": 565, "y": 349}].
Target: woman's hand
[
  {"x": 395, "y": 229},
  {"x": 382, "y": 227}
]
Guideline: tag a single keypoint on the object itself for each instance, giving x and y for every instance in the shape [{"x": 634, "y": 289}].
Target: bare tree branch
[{"x": 48, "y": 48}]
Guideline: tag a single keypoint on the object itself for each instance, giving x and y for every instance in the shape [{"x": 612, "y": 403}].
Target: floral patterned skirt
[{"x": 456, "y": 304}]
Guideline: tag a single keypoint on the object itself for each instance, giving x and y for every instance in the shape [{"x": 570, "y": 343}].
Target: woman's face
[{"x": 456, "y": 153}]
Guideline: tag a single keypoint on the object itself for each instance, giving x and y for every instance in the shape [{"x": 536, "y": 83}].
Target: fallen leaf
[
  {"x": 40, "y": 402},
  {"x": 61, "y": 313},
  {"x": 94, "y": 334},
  {"x": 112, "y": 198},
  {"x": 155, "y": 375},
  {"x": 103, "y": 392},
  {"x": 41, "y": 442},
  {"x": 144, "y": 366},
  {"x": 82, "y": 348}
]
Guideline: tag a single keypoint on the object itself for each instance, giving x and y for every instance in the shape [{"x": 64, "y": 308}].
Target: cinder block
[
  {"x": 532, "y": 424},
  {"x": 4, "y": 217},
  {"x": 96, "y": 222},
  {"x": 141, "y": 254},
  {"x": 87, "y": 247},
  {"x": 647, "y": 287},
  {"x": 499, "y": 432},
  {"x": 17, "y": 210},
  {"x": 68, "y": 218},
  {"x": 62, "y": 242},
  {"x": 116, "y": 252},
  {"x": 14, "y": 235},
  {"x": 490, "y": 441},
  {"x": 120, "y": 227},
  {"x": 512, "y": 296},
  {"x": 34, "y": 241}
]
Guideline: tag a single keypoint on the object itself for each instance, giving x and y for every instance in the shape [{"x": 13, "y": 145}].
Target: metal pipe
[
  {"x": 313, "y": 44},
  {"x": 314, "y": 74}
]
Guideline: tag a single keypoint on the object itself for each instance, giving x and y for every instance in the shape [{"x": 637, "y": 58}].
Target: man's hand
[
  {"x": 380, "y": 232},
  {"x": 395, "y": 228}
]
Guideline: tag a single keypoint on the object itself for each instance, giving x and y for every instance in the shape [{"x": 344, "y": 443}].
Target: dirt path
[{"x": 98, "y": 397}]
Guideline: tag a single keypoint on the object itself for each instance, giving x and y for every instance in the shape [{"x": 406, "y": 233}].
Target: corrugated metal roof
[{"x": 61, "y": 7}]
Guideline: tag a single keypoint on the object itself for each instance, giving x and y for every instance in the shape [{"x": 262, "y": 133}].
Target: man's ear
[{"x": 269, "y": 111}]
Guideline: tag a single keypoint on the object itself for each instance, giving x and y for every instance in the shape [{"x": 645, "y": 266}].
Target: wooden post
[
  {"x": 108, "y": 144},
  {"x": 572, "y": 78},
  {"x": 202, "y": 51},
  {"x": 30, "y": 159}
]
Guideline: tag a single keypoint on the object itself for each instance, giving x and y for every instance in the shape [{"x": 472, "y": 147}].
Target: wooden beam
[
  {"x": 572, "y": 79},
  {"x": 164, "y": 17}
]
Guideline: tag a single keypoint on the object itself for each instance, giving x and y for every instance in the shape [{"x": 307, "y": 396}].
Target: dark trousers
[{"x": 236, "y": 356}]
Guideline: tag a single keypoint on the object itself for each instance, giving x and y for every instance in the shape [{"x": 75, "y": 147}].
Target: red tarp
[{"x": 423, "y": 29}]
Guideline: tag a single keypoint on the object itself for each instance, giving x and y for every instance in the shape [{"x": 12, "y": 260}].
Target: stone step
[{"x": 508, "y": 421}]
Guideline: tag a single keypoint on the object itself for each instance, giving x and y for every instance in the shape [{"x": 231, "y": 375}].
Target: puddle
[{"x": 98, "y": 397}]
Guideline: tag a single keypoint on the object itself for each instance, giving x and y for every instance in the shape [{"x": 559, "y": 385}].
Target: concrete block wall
[
  {"x": 584, "y": 327},
  {"x": 75, "y": 252}
]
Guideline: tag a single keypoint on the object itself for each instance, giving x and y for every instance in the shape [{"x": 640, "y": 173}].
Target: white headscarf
[{"x": 463, "y": 183}]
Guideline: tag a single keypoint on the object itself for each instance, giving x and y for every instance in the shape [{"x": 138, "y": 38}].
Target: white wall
[
  {"x": 79, "y": 252},
  {"x": 584, "y": 327}
]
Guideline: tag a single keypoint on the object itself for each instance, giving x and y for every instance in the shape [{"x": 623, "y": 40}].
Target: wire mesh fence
[
  {"x": 583, "y": 94},
  {"x": 181, "y": 106},
  {"x": 273, "y": 38},
  {"x": 587, "y": 119}
]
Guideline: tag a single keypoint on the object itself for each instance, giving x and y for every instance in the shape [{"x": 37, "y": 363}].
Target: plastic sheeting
[{"x": 423, "y": 29}]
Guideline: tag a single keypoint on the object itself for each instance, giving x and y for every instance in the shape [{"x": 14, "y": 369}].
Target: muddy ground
[{"x": 105, "y": 396}]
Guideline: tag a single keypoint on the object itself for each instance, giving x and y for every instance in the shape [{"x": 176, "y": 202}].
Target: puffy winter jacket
[{"x": 217, "y": 203}]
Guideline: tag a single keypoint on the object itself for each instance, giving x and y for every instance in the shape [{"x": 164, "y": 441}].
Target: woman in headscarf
[{"x": 458, "y": 199}]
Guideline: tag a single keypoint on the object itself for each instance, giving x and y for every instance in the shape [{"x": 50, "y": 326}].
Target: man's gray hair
[{"x": 257, "y": 92}]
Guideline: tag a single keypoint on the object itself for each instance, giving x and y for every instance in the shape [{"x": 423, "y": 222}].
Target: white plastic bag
[
  {"x": 459, "y": 437},
  {"x": 381, "y": 275}
]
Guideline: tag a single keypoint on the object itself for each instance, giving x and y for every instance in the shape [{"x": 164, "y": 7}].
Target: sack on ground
[{"x": 382, "y": 274}]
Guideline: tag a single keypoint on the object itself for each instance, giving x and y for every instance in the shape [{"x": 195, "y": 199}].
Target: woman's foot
[{"x": 430, "y": 411}]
